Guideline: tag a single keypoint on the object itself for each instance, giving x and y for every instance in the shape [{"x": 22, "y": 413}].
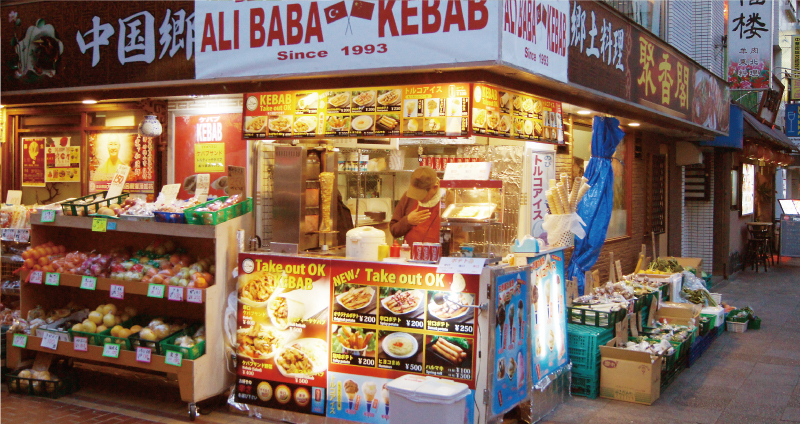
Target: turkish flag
[
  {"x": 335, "y": 12},
  {"x": 362, "y": 9}
]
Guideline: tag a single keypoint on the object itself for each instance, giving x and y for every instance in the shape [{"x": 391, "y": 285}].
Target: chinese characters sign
[
  {"x": 33, "y": 160},
  {"x": 749, "y": 44},
  {"x": 97, "y": 43},
  {"x": 794, "y": 93}
]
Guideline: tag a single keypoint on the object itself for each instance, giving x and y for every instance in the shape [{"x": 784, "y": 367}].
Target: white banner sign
[
  {"x": 543, "y": 169},
  {"x": 750, "y": 44},
  {"x": 237, "y": 39},
  {"x": 536, "y": 36}
]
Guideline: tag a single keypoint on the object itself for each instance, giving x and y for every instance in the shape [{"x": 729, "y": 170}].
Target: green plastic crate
[
  {"x": 586, "y": 385},
  {"x": 583, "y": 343},
  {"x": 93, "y": 339},
  {"x": 577, "y": 315},
  {"x": 194, "y": 352},
  {"x": 754, "y": 324},
  {"x": 93, "y": 202},
  {"x": 195, "y": 217},
  {"x": 124, "y": 342}
]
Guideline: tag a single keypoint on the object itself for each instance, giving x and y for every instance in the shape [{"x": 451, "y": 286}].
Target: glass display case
[{"x": 472, "y": 218}]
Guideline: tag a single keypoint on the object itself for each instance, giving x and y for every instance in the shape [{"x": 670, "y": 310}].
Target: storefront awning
[{"x": 758, "y": 130}]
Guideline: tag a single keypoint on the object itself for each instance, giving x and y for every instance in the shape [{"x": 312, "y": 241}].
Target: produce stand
[{"x": 200, "y": 378}]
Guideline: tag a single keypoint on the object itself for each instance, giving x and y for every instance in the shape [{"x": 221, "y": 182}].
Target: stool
[{"x": 758, "y": 250}]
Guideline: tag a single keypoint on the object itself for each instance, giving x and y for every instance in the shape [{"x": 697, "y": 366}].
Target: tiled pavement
[{"x": 743, "y": 378}]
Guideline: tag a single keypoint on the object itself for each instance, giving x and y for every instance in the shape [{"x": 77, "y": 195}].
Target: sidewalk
[{"x": 743, "y": 378}]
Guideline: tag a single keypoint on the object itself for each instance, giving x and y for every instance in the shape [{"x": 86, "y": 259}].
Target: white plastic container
[
  {"x": 418, "y": 399},
  {"x": 363, "y": 242}
]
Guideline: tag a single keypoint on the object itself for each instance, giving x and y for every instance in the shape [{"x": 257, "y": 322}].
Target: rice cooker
[{"x": 363, "y": 242}]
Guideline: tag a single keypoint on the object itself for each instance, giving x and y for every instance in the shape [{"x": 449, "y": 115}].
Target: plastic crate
[
  {"x": 83, "y": 206},
  {"x": 705, "y": 326},
  {"x": 577, "y": 315},
  {"x": 93, "y": 339},
  {"x": 194, "y": 352},
  {"x": 754, "y": 324},
  {"x": 583, "y": 343},
  {"x": 155, "y": 345},
  {"x": 170, "y": 217},
  {"x": 585, "y": 385},
  {"x": 124, "y": 342},
  {"x": 138, "y": 218},
  {"x": 67, "y": 384},
  {"x": 736, "y": 327},
  {"x": 195, "y": 217}
]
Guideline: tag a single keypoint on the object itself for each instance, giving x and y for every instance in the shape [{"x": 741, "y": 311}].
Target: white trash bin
[{"x": 418, "y": 399}]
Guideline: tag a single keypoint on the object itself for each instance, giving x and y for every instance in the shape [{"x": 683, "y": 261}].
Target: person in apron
[{"x": 417, "y": 216}]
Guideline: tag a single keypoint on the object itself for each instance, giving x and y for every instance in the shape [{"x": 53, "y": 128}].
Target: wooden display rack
[{"x": 199, "y": 379}]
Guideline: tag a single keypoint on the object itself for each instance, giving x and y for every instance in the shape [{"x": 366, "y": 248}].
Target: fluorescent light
[
  {"x": 89, "y": 102},
  {"x": 584, "y": 112},
  {"x": 634, "y": 124}
]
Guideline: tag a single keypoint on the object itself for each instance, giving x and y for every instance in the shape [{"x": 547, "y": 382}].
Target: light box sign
[
  {"x": 750, "y": 44},
  {"x": 536, "y": 36},
  {"x": 748, "y": 188}
]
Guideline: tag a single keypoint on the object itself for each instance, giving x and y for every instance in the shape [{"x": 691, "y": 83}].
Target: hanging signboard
[
  {"x": 536, "y": 35},
  {"x": 794, "y": 92},
  {"x": 33, "y": 161},
  {"x": 750, "y": 44}
]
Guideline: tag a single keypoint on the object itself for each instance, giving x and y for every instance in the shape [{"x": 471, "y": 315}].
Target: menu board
[
  {"x": 282, "y": 332},
  {"x": 498, "y": 112},
  {"x": 63, "y": 162},
  {"x": 405, "y": 111},
  {"x": 313, "y": 327},
  {"x": 511, "y": 303},
  {"x": 33, "y": 160},
  {"x": 549, "y": 317}
]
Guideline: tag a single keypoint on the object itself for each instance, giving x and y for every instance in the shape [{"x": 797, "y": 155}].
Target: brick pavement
[{"x": 752, "y": 377}]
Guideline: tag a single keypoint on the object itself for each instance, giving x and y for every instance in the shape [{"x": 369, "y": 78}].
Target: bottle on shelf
[{"x": 405, "y": 251}]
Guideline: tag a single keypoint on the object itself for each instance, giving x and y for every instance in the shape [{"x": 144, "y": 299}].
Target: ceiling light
[
  {"x": 89, "y": 102},
  {"x": 634, "y": 124},
  {"x": 584, "y": 112}
]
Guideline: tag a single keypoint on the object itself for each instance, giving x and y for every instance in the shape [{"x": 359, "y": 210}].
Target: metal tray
[{"x": 470, "y": 212}]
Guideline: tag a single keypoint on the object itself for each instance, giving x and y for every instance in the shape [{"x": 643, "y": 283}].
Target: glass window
[{"x": 581, "y": 153}]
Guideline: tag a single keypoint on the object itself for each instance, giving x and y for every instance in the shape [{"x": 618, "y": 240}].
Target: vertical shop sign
[
  {"x": 511, "y": 305},
  {"x": 206, "y": 145},
  {"x": 548, "y": 315},
  {"x": 794, "y": 94},
  {"x": 536, "y": 36},
  {"x": 750, "y": 44},
  {"x": 33, "y": 162},
  {"x": 543, "y": 169},
  {"x": 108, "y": 150},
  {"x": 748, "y": 188}
]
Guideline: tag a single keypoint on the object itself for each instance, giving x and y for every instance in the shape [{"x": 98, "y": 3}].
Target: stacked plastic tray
[{"x": 584, "y": 351}]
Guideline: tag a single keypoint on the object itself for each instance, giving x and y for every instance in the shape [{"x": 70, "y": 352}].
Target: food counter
[{"x": 321, "y": 336}]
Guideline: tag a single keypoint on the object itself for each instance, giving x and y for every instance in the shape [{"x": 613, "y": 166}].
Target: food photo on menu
[
  {"x": 401, "y": 303},
  {"x": 451, "y": 306},
  {"x": 448, "y": 352},
  {"x": 354, "y": 299},
  {"x": 397, "y": 346},
  {"x": 353, "y": 341}
]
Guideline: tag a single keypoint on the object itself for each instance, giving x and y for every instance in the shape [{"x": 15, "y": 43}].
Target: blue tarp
[{"x": 595, "y": 207}]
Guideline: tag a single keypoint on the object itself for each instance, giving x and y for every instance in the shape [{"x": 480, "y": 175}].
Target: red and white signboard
[
  {"x": 536, "y": 36},
  {"x": 236, "y": 39}
]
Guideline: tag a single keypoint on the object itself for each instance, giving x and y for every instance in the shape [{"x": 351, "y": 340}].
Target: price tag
[
  {"x": 111, "y": 350},
  {"x": 448, "y": 265},
  {"x": 117, "y": 292},
  {"x": 168, "y": 194},
  {"x": 112, "y": 225},
  {"x": 23, "y": 236},
  {"x": 155, "y": 290},
  {"x": 20, "y": 340},
  {"x": 99, "y": 224},
  {"x": 202, "y": 185},
  {"x": 118, "y": 182},
  {"x": 194, "y": 295},
  {"x": 80, "y": 344},
  {"x": 175, "y": 293},
  {"x": 49, "y": 340},
  {"x": 88, "y": 283},
  {"x": 14, "y": 197},
  {"x": 8, "y": 234},
  {"x": 173, "y": 358},
  {"x": 143, "y": 354},
  {"x": 48, "y": 215},
  {"x": 52, "y": 279},
  {"x": 35, "y": 277}
]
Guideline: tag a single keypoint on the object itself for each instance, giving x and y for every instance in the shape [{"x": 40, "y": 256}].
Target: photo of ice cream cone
[
  {"x": 351, "y": 389},
  {"x": 369, "y": 390},
  {"x": 385, "y": 394}
]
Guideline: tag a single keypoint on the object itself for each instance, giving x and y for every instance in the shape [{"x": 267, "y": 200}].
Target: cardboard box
[
  {"x": 628, "y": 375},
  {"x": 696, "y": 263},
  {"x": 679, "y": 313}
]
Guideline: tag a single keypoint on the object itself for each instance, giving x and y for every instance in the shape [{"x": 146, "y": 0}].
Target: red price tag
[
  {"x": 80, "y": 344},
  {"x": 143, "y": 354},
  {"x": 117, "y": 292},
  {"x": 175, "y": 293},
  {"x": 194, "y": 295},
  {"x": 36, "y": 277}
]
